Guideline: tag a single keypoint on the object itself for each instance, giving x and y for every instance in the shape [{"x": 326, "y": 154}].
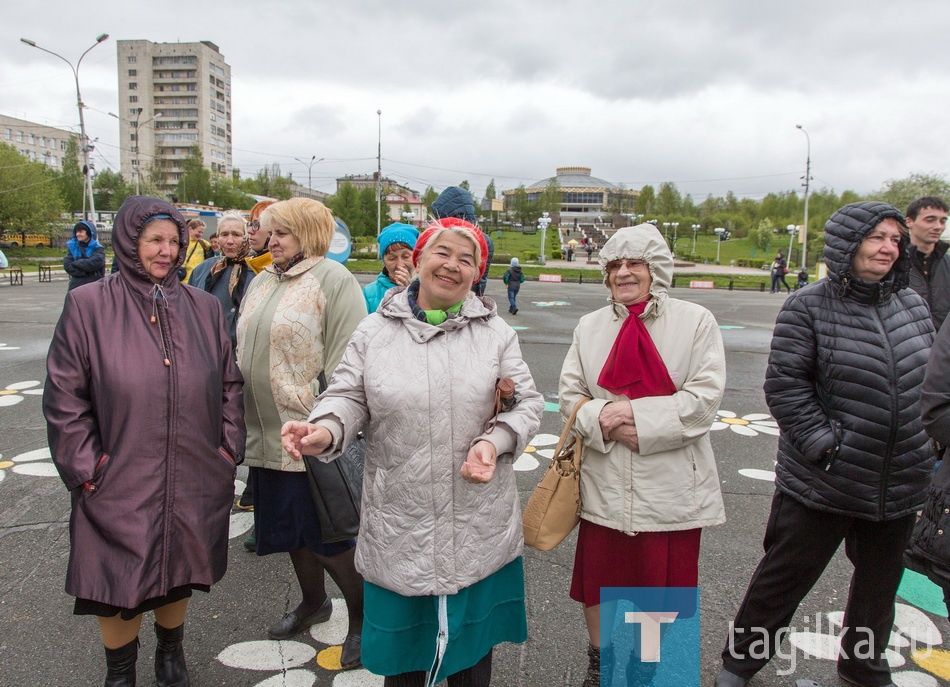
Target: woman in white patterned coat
[{"x": 441, "y": 539}]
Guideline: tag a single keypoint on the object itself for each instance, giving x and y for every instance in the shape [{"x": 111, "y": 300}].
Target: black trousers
[{"x": 799, "y": 543}]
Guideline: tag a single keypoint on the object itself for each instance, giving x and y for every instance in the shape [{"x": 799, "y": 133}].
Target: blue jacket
[
  {"x": 84, "y": 262},
  {"x": 374, "y": 292}
]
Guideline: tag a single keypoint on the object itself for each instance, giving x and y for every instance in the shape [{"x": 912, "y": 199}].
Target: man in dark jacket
[
  {"x": 843, "y": 382},
  {"x": 85, "y": 260},
  {"x": 455, "y": 201},
  {"x": 929, "y": 262}
]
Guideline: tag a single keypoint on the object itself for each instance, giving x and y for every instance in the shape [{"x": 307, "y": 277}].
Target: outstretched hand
[
  {"x": 479, "y": 465},
  {"x": 302, "y": 438}
]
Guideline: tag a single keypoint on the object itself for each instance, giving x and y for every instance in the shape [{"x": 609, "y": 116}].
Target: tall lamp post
[
  {"x": 84, "y": 140},
  {"x": 676, "y": 226},
  {"x": 791, "y": 228},
  {"x": 543, "y": 222},
  {"x": 695, "y": 228},
  {"x": 313, "y": 161},
  {"x": 379, "y": 173},
  {"x": 138, "y": 144},
  {"x": 807, "y": 180},
  {"x": 719, "y": 232}
]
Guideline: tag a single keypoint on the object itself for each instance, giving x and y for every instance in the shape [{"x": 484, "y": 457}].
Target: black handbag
[{"x": 337, "y": 487}]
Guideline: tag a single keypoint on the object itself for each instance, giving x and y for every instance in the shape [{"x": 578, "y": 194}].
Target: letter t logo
[{"x": 650, "y": 632}]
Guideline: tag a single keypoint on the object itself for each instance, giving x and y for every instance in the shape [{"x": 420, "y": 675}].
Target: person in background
[
  {"x": 296, "y": 319},
  {"x": 396, "y": 243},
  {"x": 854, "y": 462},
  {"x": 213, "y": 240},
  {"x": 4, "y": 263},
  {"x": 85, "y": 260},
  {"x": 778, "y": 270},
  {"x": 259, "y": 238},
  {"x": 146, "y": 436},
  {"x": 514, "y": 278},
  {"x": 655, "y": 369},
  {"x": 227, "y": 277},
  {"x": 929, "y": 261},
  {"x": 457, "y": 202},
  {"x": 440, "y": 542},
  {"x": 802, "y": 279},
  {"x": 198, "y": 249}
]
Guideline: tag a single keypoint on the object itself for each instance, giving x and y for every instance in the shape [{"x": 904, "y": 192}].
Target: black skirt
[
  {"x": 285, "y": 517},
  {"x": 103, "y": 610}
]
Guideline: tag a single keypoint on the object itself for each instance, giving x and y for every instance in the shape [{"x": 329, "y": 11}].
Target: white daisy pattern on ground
[
  {"x": 550, "y": 304},
  {"x": 528, "y": 460},
  {"x": 7, "y": 347},
  {"x": 912, "y": 645},
  {"x": 752, "y": 473},
  {"x": 296, "y": 660},
  {"x": 34, "y": 463},
  {"x": 748, "y": 425},
  {"x": 12, "y": 394}
]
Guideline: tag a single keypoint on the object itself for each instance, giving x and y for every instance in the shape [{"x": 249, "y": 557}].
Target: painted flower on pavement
[
  {"x": 12, "y": 393},
  {"x": 747, "y": 425},
  {"x": 36, "y": 463},
  {"x": 528, "y": 460}
]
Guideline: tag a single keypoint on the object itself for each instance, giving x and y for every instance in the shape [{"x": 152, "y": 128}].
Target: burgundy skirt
[{"x": 609, "y": 558}]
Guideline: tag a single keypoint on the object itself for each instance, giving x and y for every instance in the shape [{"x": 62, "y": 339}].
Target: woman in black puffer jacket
[
  {"x": 929, "y": 550},
  {"x": 854, "y": 462}
]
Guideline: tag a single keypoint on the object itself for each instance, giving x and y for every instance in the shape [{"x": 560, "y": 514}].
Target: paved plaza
[{"x": 41, "y": 643}]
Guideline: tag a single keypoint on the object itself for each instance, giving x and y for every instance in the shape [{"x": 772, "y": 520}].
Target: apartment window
[
  {"x": 133, "y": 111},
  {"x": 42, "y": 141},
  {"x": 8, "y": 134},
  {"x": 62, "y": 146},
  {"x": 133, "y": 137},
  {"x": 211, "y": 79},
  {"x": 135, "y": 163},
  {"x": 52, "y": 143},
  {"x": 133, "y": 98},
  {"x": 131, "y": 59},
  {"x": 54, "y": 161},
  {"x": 133, "y": 72},
  {"x": 32, "y": 140},
  {"x": 133, "y": 86}
]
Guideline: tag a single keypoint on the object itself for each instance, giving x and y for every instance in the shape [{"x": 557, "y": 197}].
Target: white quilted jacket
[{"x": 422, "y": 393}]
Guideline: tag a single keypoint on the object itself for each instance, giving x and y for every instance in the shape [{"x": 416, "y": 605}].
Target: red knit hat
[{"x": 439, "y": 225}]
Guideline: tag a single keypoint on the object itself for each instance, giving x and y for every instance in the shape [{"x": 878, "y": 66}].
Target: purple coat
[{"x": 148, "y": 450}]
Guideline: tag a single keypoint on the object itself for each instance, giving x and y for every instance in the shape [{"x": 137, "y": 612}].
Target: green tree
[
  {"x": 29, "y": 197},
  {"x": 345, "y": 204},
  {"x": 110, "y": 189},
  {"x": 429, "y": 196},
  {"x": 195, "y": 183},
  {"x": 464, "y": 184},
  {"x": 550, "y": 200},
  {"x": 901, "y": 192},
  {"x": 368, "y": 211},
  {"x": 762, "y": 235},
  {"x": 490, "y": 192},
  {"x": 668, "y": 200},
  {"x": 71, "y": 181},
  {"x": 227, "y": 195},
  {"x": 646, "y": 202},
  {"x": 523, "y": 208}
]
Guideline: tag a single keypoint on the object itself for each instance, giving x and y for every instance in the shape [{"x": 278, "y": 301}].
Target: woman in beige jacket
[{"x": 655, "y": 369}]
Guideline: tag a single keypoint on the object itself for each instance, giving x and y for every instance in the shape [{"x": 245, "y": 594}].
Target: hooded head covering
[
  {"x": 130, "y": 220},
  {"x": 442, "y": 224},
  {"x": 80, "y": 250},
  {"x": 642, "y": 242},
  {"x": 397, "y": 233},
  {"x": 844, "y": 233},
  {"x": 455, "y": 201},
  {"x": 514, "y": 262}
]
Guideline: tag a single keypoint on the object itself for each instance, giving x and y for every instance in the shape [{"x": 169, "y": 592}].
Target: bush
[
  {"x": 529, "y": 256},
  {"x": 501, "y": 259},
  {"x": 557, "y": 255}
]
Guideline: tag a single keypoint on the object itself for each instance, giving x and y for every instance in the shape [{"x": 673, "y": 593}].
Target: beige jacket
[{"x": 671, "y": 483}]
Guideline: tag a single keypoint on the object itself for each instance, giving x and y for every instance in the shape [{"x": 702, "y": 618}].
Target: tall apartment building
[
  {"x": 173, "y": 97},
  {"x": 37, "y": 142}
]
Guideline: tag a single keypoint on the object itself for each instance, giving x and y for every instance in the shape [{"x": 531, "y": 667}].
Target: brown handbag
[{"x": 554, "y": 508}]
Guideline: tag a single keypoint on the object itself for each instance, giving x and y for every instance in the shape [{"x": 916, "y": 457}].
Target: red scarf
[{"x": 634, "y": 367}]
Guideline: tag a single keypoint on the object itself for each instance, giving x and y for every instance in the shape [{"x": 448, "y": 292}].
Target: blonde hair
[{"x": 310, "y": 221}]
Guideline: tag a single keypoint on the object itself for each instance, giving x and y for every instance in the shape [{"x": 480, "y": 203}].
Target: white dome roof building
[{"x": 583, "y": 197}]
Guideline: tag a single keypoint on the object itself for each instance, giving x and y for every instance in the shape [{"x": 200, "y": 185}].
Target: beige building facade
[
  {"x": 173, "y": 97},
  {"x": 37, "y": 142}
]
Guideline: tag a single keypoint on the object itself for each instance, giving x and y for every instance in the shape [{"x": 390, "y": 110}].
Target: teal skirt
[{"x": 400, "y": 632}]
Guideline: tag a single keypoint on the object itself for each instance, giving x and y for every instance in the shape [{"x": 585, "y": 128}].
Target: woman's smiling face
[
  {"x": 629, "y": 281},
  {"x": 447, "y": 270}
]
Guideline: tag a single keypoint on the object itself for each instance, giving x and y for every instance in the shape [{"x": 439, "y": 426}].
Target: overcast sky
[{"x": 703, "y": 93}]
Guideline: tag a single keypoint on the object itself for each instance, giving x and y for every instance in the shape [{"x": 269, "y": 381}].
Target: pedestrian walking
[{"x": 514, "y": 278}]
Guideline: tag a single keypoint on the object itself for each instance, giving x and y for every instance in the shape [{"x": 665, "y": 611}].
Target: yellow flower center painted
[
  {"x": 936, "y": 661},
  {"x": 7, "y": 392},
  {"x": 329, "y": 658},
  {"x": 530, "y": 449},
  {"x": 4, "y": 464},
  {"x": 734, "y": 421}
]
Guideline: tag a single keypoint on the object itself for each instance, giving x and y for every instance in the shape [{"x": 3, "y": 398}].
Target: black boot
[
  {"x": 170, "y": 670},
  {"x": 120, "y": 665},
  {"x": 597, "y": 657}
]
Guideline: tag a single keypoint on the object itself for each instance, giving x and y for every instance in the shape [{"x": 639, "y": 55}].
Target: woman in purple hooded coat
[{"x": 145, "y": 418}]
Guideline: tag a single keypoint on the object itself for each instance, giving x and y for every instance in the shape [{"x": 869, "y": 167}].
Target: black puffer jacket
[{"x": 844, "y": 379}]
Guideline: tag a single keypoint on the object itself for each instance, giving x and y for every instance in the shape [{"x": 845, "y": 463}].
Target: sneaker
[{"x": 515, "y": 311}]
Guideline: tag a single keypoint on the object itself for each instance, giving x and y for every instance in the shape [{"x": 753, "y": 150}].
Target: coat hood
[
  {"x": 642, "y": 242},
  {"x": 131, "y": 218},
  {"x": 88, "y": 226},
  {"x": 844, "y": 233}
]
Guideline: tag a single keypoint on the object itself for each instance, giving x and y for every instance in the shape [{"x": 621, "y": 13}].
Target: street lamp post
[
  {"x": 719, "y": 232},
  {"x": 379, "y": 172},
  {"x": 313, "y": 159},
  {"x": 807, "y": 180},
  {"x": 543, "y": 222},
  {"x": 84, "y": 140},
  {"x": 676, "y": 226},
  {"x": 409, "y": 217},
  {"x": 666, "y": 232},
  {"x": 138, "y": 144},
  {"x": 791, "y": 228},
  {"x": 695, "y": 228}
]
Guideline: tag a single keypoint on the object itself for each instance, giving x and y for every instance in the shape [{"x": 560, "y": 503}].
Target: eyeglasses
[
  {"x": 253, "y": 225},
  {"x": 631, "y": 265}
]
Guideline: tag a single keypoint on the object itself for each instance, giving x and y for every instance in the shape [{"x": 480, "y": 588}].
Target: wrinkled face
[
  {"x": 447, "y": 270},
  {"x": 215, "y": 245},
  {"x": 82, "y": 235},
  {"x": 397, "y": 255},
  {"x": 878, "y": 251},
  {"x": 158, "y": 247},
  {"x": 629, "y": 281},
  {"x": 257, "y": 236},
  {"x": 925, "y": 231},
  {"x": 283, "y": 244},
  {"x": 230, "y": 239}
]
